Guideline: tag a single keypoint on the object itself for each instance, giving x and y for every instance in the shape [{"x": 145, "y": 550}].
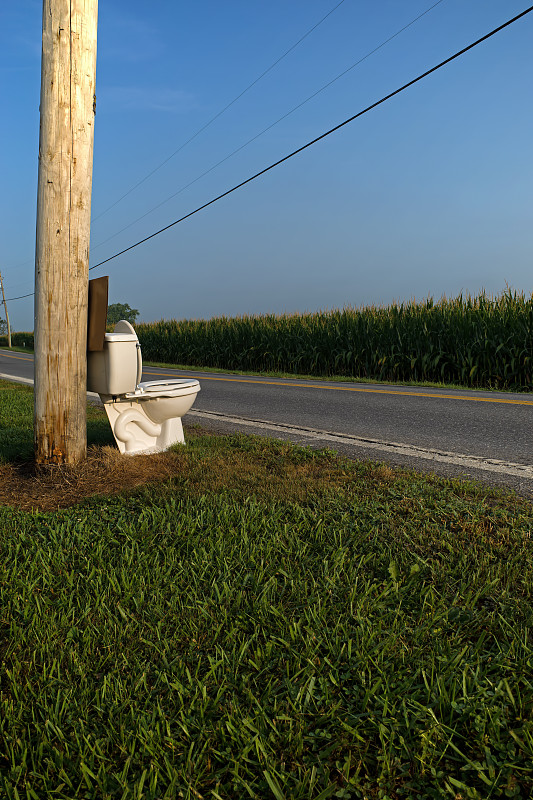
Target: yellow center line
[
  {"x": 21, "y": 358},
  {"x": 357, "y": 389},
  {"x": 334, "y": 388}
]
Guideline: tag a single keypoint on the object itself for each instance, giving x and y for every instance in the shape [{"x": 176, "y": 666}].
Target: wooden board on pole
[
  {"x": 97, "y": 313},
  {"x": 68, "y": 79}
]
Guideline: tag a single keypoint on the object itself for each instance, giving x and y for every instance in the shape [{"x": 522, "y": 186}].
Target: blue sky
[{"x": 429, "y": 194}]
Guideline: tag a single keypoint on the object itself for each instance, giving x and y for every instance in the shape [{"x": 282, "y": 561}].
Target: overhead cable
[
  {"x": 265, "y": 130},
  {"x": 207, "y": 124},
  {"x": 258, "y": 135},
  {"x": 314, "y": 141},
  {"x": 319, "y": 138},
  {"x": 9, "y": 299},
  {"x": 219, "y": 114}
]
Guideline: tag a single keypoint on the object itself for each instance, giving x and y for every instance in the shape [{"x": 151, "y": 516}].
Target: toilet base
[{"x": 135, "y": 433}]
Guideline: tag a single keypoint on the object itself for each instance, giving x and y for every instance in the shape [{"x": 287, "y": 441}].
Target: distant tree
[
  {"x": 118, "y": 311},
  {"x": 3, "y": 327}
]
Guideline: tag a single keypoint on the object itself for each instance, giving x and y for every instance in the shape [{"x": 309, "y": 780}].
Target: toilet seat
[{"x": 175, "y": 387}]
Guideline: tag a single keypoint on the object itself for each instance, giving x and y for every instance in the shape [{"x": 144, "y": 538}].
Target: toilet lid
[{"x": 169, "y": 388}]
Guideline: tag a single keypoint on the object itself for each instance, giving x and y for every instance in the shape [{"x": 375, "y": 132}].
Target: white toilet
[{"x": 144, "y": 417}]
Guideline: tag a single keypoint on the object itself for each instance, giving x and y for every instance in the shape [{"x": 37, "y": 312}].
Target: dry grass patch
[
  {"x": 209, "y": 463},
  {"x": 105, "y": 472},
  {"x": 263, "y": 468},
  {"x": 383, "y": 473}
]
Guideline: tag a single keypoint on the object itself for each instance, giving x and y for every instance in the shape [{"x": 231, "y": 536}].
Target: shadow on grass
[
  {"x": 16, "y": 424},
  {"x": 16, "y": 444},
  {"x": 98, "y": 428}
]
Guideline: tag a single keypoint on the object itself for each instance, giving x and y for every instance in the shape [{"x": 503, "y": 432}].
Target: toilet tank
[{"x": 114, "y": 370}]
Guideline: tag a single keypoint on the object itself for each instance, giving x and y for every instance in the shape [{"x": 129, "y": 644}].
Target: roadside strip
[
  {"x": 16, "y": 379},
  {"x": 523, "y": 471},
  {"x": 391, "y": 448}
]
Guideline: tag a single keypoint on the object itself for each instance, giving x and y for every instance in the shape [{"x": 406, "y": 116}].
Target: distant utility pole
[
  {"x": 5, "y": 309},
  {"x": 68, "y": 78}
]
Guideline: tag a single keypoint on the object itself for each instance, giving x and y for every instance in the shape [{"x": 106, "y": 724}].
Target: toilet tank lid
[{"x": 121, "y": 337}]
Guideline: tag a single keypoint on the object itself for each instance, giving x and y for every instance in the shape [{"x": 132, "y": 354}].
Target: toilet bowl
[{"x": 145, "y": 417}]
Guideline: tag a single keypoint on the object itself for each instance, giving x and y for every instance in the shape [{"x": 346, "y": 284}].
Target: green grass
[
  {"x": 273, "y": 622},
  {"x": 16, "y": 349},
  {"x": 16, "y": 433}
]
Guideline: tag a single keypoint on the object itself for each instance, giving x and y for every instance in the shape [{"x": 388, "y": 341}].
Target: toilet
[{"x": 145, "y": 417}]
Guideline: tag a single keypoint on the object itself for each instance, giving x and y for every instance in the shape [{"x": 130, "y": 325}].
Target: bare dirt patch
[{"x": 105, "y": 472}]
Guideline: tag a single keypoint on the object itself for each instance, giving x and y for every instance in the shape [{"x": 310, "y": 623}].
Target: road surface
[{"x": 487, "y": 436}]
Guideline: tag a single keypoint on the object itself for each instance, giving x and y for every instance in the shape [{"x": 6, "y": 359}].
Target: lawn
[{"x": 245, "y": 618}]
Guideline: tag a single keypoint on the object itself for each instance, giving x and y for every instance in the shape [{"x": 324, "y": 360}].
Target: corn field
[
  {"x": 474, "y": 341},
  {"x": 20, "y": 339},
  {"x": 482, "y": 342}
]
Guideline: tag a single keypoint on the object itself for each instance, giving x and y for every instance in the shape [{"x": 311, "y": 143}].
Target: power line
[
  {"x": 207, "y": 124},
  {"x": 258, "y": 135},
  {"x": 317, "y": 139},
  {"x": 219, "y": 114},
  {"x": 265, "y": 130},
  {"x": 9, "y": 299}
]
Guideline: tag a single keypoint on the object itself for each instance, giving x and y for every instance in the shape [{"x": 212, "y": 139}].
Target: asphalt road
[{"x": 486, "y": 436}]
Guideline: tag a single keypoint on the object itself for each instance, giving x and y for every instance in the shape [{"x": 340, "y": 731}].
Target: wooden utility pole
[
  {"x": 5, "y": 309},
  {"x": 68, "y": 77}
]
